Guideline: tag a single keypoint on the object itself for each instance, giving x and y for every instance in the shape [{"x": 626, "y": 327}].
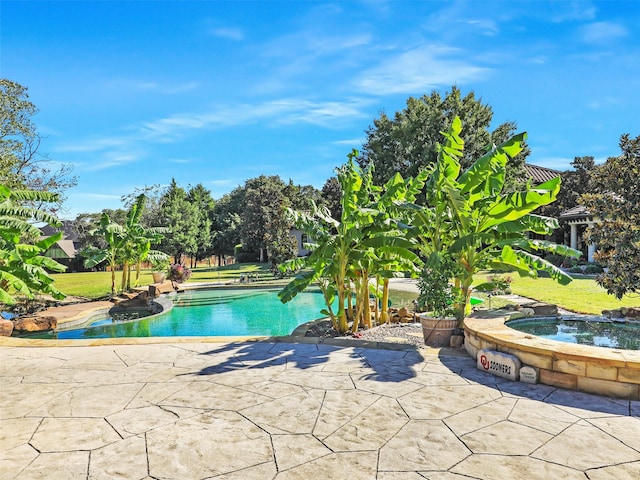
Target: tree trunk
[
  {"x": 367, "y": 301},
  {"x": 384, "y": 318},
  {"x": 113, "y": 279}
]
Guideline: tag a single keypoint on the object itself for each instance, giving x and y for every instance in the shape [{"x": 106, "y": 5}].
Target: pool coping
[{"x": 600, "y": 370}]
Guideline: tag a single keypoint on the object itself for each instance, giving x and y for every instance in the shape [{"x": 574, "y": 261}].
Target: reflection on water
[{"x": 594, "y": 331}]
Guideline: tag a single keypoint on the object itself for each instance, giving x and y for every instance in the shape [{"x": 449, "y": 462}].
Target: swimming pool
[
  {"x": 213, "y": 312},
  {"x": 583, "y": 330}
]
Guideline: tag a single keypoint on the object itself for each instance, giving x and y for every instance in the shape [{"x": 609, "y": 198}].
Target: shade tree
[
  {"x": 406, "y": 142},
  {"x": 615, "y": 201},
  {"x": 22, "y": 165}
]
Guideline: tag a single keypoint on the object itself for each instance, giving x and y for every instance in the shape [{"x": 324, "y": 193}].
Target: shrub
[
  {"x": 576, "y": 269},
  {"x": 501, "y": 283},
  {"x": 496, "y": 285},
  {"x": 436, "y": 294},
  {"x": 179, "y": 273},
  {"x": 557, "y": 260},
  {"x": 247, "y": 257},
  {"x": 592, "y": 269}
]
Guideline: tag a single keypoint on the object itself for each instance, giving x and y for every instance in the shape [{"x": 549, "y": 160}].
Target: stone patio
[{"x": 268, "y": 410}]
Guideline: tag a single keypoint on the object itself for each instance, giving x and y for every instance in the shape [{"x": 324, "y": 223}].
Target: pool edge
[{"x": 599, "y": 370}]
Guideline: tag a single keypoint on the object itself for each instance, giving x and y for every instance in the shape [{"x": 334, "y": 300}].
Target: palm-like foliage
[
  {"x": 471, "y": 219},
  {"x": 23, "y": 269},
  {"x": 127, "y": 245},
  {"x": 349, "y": 251}
]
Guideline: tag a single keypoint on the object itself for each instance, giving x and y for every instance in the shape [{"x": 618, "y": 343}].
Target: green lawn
[
  {"x": 582, "y": 295},
  {"x": 98, "y": 284}
]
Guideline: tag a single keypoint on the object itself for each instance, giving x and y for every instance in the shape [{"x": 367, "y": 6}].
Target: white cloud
[
  {"x": 112, "y": 159},
  {"x": 234, "y": 34},
  {"x": 420, "y": 69},
  {"x": 160, "y": 88},
  {"x": 284, "y": 111},
  {"x": 95, "y": 196},
  {"x": 602, "y": 32},
  {"x": 555, "y": 163},
  {"x": 350, "y": 142},
  {"x": 604, "y": 102},
  {"x": 92, "y": 145},
  {"x": 486, "y": 26},
  {"x": 108, "y": 152}
]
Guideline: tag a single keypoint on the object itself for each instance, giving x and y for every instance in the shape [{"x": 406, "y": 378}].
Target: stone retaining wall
[{"x": 604, "y": 371}]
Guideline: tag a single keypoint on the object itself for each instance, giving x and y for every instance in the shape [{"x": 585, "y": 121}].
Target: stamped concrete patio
[{"x": 266, "y": 410}]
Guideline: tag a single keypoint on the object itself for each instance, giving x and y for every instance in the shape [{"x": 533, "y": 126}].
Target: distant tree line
[{"x": 249, "y": 223}]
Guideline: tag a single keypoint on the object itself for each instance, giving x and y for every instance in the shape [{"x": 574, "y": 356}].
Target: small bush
[
  {"x": 557, "y": 260},
  {"x": 247, "y": 257},
  {"x": 576, "y": 269},
  {"x": 179, "y": 273},
  {"x": 592, "y": 269}
]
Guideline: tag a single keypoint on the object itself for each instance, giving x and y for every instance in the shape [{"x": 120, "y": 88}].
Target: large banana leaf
[
  {"x": 527, "y": 264},
  {"x": 297, "y": 285},
  {"x": 515, "y": 205},
  {"x": 486, "y": 175}
]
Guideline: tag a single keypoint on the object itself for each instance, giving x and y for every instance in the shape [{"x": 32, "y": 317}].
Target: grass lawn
[
  {"x": 98, "y": 284},
  {"x": 582, "y": 295}
]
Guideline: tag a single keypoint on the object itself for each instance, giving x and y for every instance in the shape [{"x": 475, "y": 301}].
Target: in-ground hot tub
[{"x": 613, "y": 372}]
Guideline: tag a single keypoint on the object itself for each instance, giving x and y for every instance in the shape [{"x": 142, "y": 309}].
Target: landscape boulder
[
  {"x": 6, "y": 328},
  {"x": 630, "y": 312},
  {"x": 543, "y": 309},
  {"x": 35, "y": 324}
]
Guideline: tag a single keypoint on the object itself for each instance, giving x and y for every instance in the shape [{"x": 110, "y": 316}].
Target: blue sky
[{"x": 134, "y": 93}]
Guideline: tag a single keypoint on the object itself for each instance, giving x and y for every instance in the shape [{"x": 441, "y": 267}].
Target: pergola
[{"x": 577, "y": 217}]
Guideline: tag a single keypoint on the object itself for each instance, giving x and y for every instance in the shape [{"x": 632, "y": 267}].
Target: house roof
[
  {"x": 67, "y": 247},
  {"x": 69, "y": 236},
  {"x": 540, "y": 174},
  {"x": 576, "y": 212},
  {"x": 69, "y": 232}
]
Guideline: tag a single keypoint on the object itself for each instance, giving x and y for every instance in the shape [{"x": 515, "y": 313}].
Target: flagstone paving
[{"x": 268, "y": 410}]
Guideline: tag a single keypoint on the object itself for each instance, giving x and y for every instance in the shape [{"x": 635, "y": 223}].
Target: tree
[
  {"x": 350, "y": 250},
  {"x": 575, "y": 182},
  {"x": 86, "y": 225},
  {"x": 113, "y": 234},
  {"x": 23, "y": 268},
  {"x": 282, "y": 245},
  {"x": 264, "y": 208},
  {"x": 331, "y": 193},
  {"x": 21, "y": 165},
  {"x": 616, "y": 202},
  {"x": 407, "y": 142},
  {"x": 200, "y": 197},
  {"x": 152, "y": 212},
  {"x": 470, "y": 219},
  {"x": 300, "y": 196},
  {"x": 127, "y": 245},
  {"x": 182, "y": 219},
  {"x": 138, "y": 240},
  {"x": 227, "y": 223}
]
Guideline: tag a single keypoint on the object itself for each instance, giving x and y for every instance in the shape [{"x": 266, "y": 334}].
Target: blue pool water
[
  {"x": 218, "y": 312},
  {"x": 596, "y": 331}
]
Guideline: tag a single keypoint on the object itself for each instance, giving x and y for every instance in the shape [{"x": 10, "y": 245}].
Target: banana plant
[
  {"x": 470, "y": 218},
  {"x": 23, "y": 268},
  {"x": 114, "y": 236},
  {"x": 348, "y": 251},
  {"x": 138, "y": 241},
  {"x": 127, "y": 245}
]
